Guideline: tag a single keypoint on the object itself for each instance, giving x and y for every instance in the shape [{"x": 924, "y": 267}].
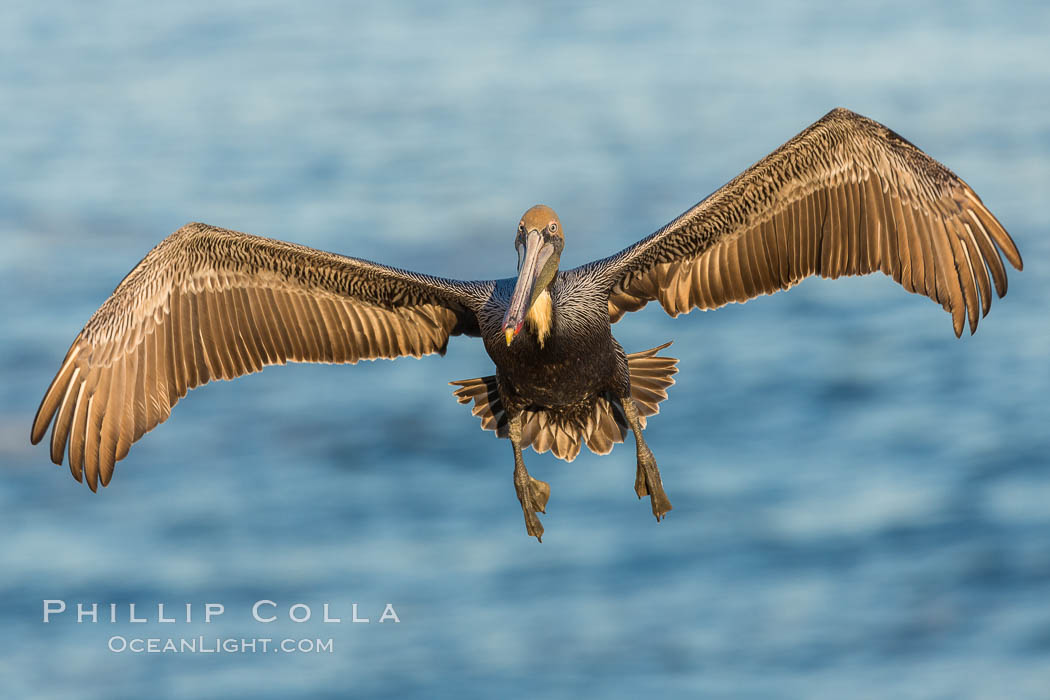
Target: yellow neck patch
[{"x": 539, "y": 316}]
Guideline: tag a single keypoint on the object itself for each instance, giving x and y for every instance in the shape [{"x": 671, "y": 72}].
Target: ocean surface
[{"x": 861, "y": 501}]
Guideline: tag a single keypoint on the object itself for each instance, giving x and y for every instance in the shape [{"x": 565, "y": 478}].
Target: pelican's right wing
[
  {"x": 208, "y": 303},
  {"x": 847, "y": 196}
]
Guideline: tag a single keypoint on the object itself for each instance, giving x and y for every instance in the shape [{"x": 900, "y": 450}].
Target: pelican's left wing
[
  {"x": 847, "y": 196},
  {"x": 208, "y": 303}
]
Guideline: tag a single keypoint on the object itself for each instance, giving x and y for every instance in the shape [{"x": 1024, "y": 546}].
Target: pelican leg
[
  {"x": 532, "y": 493},
  {"x": 647, "y": 480}
]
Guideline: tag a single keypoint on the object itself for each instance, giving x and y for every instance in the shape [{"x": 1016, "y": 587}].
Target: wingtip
[
  {"x": 1010, "y": 251},
  {"x": 994, "y": 228},
  {"x": 49, "y": 404}
]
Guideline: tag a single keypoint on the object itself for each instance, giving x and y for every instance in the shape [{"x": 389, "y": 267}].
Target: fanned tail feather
[
  {"x": 484, "y": 392},
  {"x": 606, "y": 425}
]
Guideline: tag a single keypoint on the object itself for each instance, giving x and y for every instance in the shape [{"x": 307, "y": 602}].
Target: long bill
[{"x": 537, "y": 253}]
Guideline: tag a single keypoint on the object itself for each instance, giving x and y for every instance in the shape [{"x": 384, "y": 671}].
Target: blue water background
[{"x": 862, "y": 502}]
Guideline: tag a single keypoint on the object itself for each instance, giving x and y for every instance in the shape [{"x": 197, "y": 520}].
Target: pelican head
[{"x": 539, "y": 243}]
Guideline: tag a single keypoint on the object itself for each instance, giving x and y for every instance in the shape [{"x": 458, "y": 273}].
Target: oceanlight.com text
[{"x": 119, "y": 644}]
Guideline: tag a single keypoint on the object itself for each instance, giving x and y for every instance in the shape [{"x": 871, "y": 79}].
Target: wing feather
[
  {"x": 65, "y": 415},
  {"x": 174, "y": 327},
  {"x": 847, "y": 196},
  {"x": 93, "y": 429},
  {"x": 126, "y": 427},
  {"x": 980, "y": 271},
  {"x": 209, "y": 303},
  {"x": 76, "y": 437}
]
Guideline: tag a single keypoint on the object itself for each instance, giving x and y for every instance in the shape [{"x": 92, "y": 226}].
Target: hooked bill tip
[{"x": 509, "y": 332}]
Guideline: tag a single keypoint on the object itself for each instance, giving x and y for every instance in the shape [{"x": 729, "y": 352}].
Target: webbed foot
[
  {"x": 540, "y": 492},
  {"x": 533, "y": 495},
  {"x": 647, "y": 482}
]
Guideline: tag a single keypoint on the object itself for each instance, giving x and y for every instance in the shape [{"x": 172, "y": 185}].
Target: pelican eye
[{"x": 552, "y": 226}]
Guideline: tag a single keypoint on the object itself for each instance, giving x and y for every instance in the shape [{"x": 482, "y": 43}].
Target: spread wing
[
  {"x": 208, "y": 303},
  {"x": 847, "y": 196}
]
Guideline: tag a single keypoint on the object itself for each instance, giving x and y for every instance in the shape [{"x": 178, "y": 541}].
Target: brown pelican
[{"x": 847, "y": 196}]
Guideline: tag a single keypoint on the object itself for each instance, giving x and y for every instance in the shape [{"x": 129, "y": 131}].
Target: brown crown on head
[{"x": 540, "y": 217}]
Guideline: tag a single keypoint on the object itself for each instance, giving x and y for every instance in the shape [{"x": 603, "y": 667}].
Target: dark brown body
[{"x": 579, "y": 361}]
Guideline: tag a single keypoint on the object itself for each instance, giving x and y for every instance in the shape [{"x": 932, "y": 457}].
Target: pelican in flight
[{"x": 847, "y": 196}]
